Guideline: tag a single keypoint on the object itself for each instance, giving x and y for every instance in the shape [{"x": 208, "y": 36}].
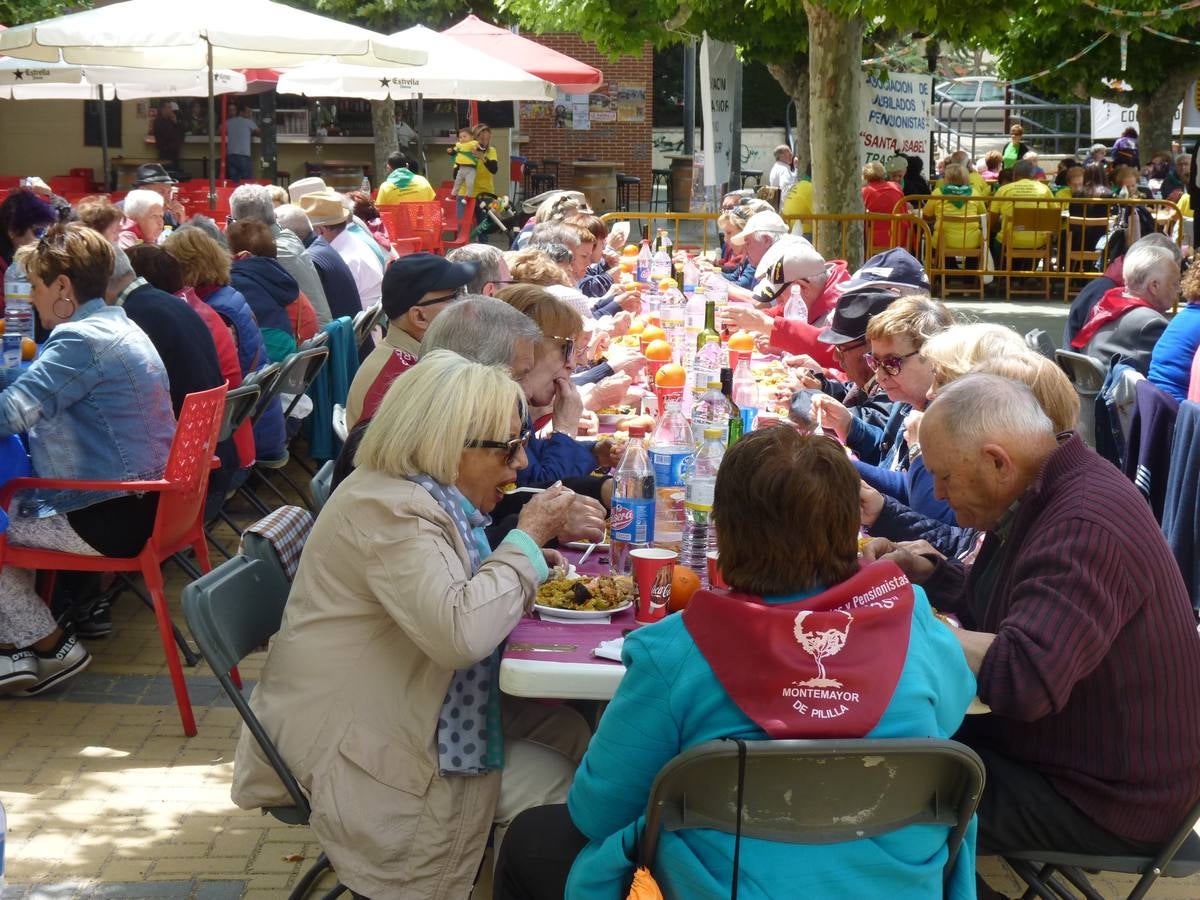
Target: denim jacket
[{"x": 95, "y": 405}]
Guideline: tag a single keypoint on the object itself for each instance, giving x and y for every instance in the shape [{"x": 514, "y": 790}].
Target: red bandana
[
  {"x": 398, "y": 363},
  {"x": 1111, "y": 307},
  {"x": 824, "y": 667}
]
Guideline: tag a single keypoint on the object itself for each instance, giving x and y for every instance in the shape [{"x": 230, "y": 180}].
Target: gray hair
[
  {"x": 252, "y": 201},
  {"x": 976, "y": 408},
  {"x": 294, "y": 219},
  {"x": 1183, "y": 158},
  {"x": 1023, "y": 168},
  {"x": 482, "y": 329},
  {"x": 122, "y": 267},
  {"x": 1158, "y": 239},
  {"x": 897, "y": 165},
  {"x": 140, "y": 202},
  {"x": 553, "y": 233},
  {"x": 208, "y": 226},
  {"x": 560, "y": 253},
  {"x": 1144, "y": 262},
  {"x": 486, "y": 258}
]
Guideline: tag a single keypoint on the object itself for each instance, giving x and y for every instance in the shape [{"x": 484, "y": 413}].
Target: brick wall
[{"x": 628, "y": 144}]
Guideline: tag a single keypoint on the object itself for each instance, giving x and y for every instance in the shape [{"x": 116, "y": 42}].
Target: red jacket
[{"x": 794, "y": 336}]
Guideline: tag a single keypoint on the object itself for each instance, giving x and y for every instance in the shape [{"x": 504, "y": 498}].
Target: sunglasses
[
  {"x": 510, "y": 448},
  {"x": 445, "y": 298},
  {"x": 890, "y": 364},
  {"x": 568, "y": 347}
]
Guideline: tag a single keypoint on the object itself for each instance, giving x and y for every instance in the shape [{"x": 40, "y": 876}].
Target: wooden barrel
[
  {"x": 681, "y": 184},
  {"x": 598, "y": 182}
]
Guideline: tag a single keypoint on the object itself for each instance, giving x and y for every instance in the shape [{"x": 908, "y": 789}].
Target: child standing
[{"x": 464, "y": 166}]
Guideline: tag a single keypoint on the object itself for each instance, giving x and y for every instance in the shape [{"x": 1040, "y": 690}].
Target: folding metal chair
[
  {"x": 1039, "y": 342},
  {"x": 816, "y": 792},
  {"x": 321, "y": 485},
  {"x": 365, "y": 322},
  {"x": 232, "y": 611},
  {"x": 240, "y": 403},
  {"x": 1087, "y": 377}
]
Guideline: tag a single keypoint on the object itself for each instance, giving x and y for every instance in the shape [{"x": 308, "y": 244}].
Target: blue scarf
[{"x": 470, "y": 736}]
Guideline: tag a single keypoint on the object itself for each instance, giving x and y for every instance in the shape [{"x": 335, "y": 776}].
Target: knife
[{"x": 521, "y": 647}]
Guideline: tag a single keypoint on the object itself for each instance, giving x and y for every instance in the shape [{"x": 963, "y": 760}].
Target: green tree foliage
[
  {"x": 22, "y": 12},
  {"x": 388, "y": 16}
]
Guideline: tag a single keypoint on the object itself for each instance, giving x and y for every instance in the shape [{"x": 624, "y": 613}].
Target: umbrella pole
[
  {"x": 212, "y": 143},
  {"x": 103, "y": 137},
  {"x": 421, "y": 134}
]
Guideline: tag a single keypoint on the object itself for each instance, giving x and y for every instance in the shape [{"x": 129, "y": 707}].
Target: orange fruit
[
  {"x": 672, "y": 375},
  {"x": 741, "y": 340},
  {"x": 684, "y": 583},
  {"x": 1, "y": 326},
  {"x": 653, "y": 333},
  {"x": 658, "y": 351},
  {"x": 667, "y": 284},
  {"x": 636, "y": 326},
  {"x": 28, "y": 349},
  {"x": 630, "y": 250}
]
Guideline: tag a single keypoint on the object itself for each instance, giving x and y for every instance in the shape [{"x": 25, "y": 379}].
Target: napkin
[{"x": 610, "y": 649}]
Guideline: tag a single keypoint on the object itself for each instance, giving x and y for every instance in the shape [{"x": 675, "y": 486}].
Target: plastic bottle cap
[
  {"x": 713, "y": 433},
  {"x": 714, "y": 384}
]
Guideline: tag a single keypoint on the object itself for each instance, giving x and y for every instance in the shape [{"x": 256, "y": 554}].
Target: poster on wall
[
  {"x": 602, "y": 105},
  {"x": 532, "y": 110},
  {"x": 718, "y": 62},
  {"x": 571, "y": 111},
  {"x": 895, "y": 116},
  {"x": 1110, "y": 119},
  {"x": 631, "y": 103}
]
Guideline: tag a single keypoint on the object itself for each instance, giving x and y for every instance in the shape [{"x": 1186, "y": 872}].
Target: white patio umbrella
[
  {"x": 202, "y": 34},
  {"x": 67, "y": 81}
]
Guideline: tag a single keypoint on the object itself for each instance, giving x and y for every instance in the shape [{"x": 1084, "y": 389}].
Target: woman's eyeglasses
[
  {"x": 510, "y": 448},
  {"x": 890, "y": 364},
  {"x": 568, "y": 348}
]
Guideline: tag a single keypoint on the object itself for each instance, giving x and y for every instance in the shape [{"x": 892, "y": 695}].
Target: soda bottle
[
  {"x": 645, "y": 260},
  {"x": 18, "y": 313},
  {"x": 795, "y": 308},
  {"x": 735, "y": 412},
  {"x": 745, "y": 393},
  {"x": 670, "y": 450},
  {"x": 711, "y": 412},
  {"x": 699, "y": 536},
  {"x": 631, "y": 521}
]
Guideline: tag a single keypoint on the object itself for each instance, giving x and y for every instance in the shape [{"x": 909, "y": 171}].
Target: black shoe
[{"x": 95, "y": 622}]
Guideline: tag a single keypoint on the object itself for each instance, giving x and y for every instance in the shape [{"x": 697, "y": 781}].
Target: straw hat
[{"x": 324, "y": 207}]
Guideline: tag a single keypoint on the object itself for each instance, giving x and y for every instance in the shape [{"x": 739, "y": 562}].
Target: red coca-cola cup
[
  {"x": 652, "y": 582},
  {"x": 736, "y": 356},
  {"x": 714, "y": 572}
]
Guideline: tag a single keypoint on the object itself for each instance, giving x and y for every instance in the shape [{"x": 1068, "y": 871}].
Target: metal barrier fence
[{"x": 985, "y": 241}]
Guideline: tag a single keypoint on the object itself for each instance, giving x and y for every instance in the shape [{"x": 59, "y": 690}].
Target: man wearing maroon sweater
[{"x": 1077, "y": 624}]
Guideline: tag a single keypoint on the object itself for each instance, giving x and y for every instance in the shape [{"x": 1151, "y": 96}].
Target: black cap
[
  {"x": 852, "y": 313},
  {"x": 153, "y": 173},
  {"x": 411, "y": 277}
]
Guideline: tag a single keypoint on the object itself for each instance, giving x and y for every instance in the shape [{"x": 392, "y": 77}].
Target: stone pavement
[{"x": 107, "y": 799}]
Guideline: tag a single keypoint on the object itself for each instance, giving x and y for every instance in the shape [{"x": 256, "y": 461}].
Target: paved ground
[{"x": 107, "y": 799}]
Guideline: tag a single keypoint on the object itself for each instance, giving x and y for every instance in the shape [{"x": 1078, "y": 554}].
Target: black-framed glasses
[
  {"x": 891, "y": 364},
  {"x": 446, "y": 298},
  {"x": 568, "y": 347},
  {"x": 849, "y": 345},
  {"x": 510, "y": 448}
]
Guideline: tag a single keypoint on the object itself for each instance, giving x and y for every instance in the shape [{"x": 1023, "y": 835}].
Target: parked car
[{"x": 957, "y": 100}]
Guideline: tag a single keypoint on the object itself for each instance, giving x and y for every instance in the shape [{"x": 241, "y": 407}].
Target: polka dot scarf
[{"x": 470, "y": 737}]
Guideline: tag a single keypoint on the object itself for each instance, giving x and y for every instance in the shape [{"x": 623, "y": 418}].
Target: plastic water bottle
[
  {"x": 699, "y": 536},
  {"x": 706, "y": 368},
  {"x": 745, "y": 394},
  {"x": 645, "y": 260},
  {"x": 18, "y": 313},
  {"x": 795, "y": 308},
  {"x": 660, "y": 268},
  {"x": 672, "y": 310},
  {"x": 711, "y": 412},
  {"x": 3, "y": 832},
  {"x": 670, "y": 452},
  {"x": 691, "y": 276},
  {"x": 632, "y": 518},
  {"x": 365, "y": 187}
]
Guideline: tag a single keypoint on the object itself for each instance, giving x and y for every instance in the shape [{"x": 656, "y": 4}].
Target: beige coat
[{"x": 380, "y": 615}]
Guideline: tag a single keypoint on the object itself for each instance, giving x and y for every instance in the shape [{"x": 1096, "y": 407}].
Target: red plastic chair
[
  {"x": 405, "y": 246},
  {"x": 178, "y": 524},
  {"x": 415, "y": 220},
  {"x": 465, "y": 224},
  {"x": 63, "y": 184}
]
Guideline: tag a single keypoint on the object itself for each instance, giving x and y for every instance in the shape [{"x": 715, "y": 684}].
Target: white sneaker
[
  {"x": 68, "y": 658},
  {"x": 18, "y": 669}
]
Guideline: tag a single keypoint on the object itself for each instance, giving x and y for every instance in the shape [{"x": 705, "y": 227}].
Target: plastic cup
[
  {"x": 652, "y": 367},
  {"x": 667, "y": 394},
  {"x": 714, "y": 571},
  {"x": 736, "y": 356},
  {"x": 652, "y": 580}
]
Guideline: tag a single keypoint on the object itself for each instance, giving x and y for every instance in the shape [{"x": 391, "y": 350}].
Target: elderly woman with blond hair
[{"x": 399, "y": 734}]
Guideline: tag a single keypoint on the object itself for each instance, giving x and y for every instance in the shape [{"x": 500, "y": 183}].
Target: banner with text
[
  {"x": 717, "y": 64},
  {"x": 1109, "y": 119},
  {"x": 895, "y": 116}
]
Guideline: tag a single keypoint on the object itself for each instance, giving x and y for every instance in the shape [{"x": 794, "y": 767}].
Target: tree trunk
[
  {"x": 1156, "y": 112},
  {"x": 793, "y": 78},
  {"x": 835, "y": 100},
  {"x": 383, "y": 122}
]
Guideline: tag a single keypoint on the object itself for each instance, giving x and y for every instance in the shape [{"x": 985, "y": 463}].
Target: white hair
[
  {"x": 252, "y": 201},
  {"x": 553, "y": 233},
  {"x": 482, "y": 329},
  {"x": 294, "y": 219},
  {"x": 977, "y": 408},
  {"x": 1146, "y": 262},
  {"x": 1158, "y": 239},
  {"x": 122, "y": 267},
  {"x": 486, "y": 258},
  {"x": 140, "y": 202}
]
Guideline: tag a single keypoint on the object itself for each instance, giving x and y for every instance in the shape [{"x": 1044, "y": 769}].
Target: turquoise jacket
[{"x": 670, "y": 700}]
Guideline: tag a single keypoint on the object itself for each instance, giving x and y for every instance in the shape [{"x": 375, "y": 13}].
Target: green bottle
[{"x": 709, "y": 332}]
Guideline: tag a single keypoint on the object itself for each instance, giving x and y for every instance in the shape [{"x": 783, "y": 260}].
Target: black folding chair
[
  {"x": 1179, "y": 857},
  {"x": 365, "y": 322},
  {"x": 816, "y": 792},
  {"x": 1039, "y": 342},
  {"x": 1087, "y": 377},
  {"x": 240, "y": 403},
  {"x": 232, "y": 611}
]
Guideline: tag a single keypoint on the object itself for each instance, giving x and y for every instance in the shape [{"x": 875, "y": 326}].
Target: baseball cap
[
  {"x": 852, "y": 313},
  {"x": 788, "y": 259},
  {"x": 411, "y": 277},
  {"x": 767, "y": 221},
  {"x": 891, "y": 268}
]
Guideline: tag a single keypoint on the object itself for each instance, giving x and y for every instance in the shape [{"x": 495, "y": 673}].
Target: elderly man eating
[{"x": 1077, "y": 622}]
